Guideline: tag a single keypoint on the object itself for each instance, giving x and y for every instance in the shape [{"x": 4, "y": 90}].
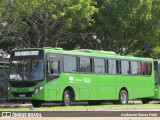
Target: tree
[
  {"x": 47, "y": 22},
  {"x": 7, "y": 25},
  {"x": 127, "y": 26}
]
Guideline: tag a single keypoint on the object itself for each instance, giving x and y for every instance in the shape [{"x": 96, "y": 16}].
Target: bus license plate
[{"x": 22, "y": 95}]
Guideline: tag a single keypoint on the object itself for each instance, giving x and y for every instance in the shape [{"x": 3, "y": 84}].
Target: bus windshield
[{"x": 26, "y": 69}]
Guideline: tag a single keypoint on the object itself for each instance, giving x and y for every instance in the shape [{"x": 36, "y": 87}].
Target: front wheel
[
  {"x": 36, "y": 103},
  {"x": 66, "y": 98},
  {"x": 123, "y": 97}
]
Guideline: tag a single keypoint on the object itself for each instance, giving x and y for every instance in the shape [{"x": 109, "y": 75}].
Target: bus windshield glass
[{"x": 26, "y": 69}]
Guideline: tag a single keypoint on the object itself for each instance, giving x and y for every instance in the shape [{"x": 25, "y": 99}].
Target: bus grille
[
  {"x": 22, "y": 84},
  {"x": 29, "y": 94}
]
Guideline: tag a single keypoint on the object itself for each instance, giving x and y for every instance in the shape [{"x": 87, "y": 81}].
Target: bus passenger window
[
  {"x": 85, "y": 65},
  {"x": 146, "y": 68},
  {"x": 125, "y": 67},
  {"x": 99, "y": 65},
  {"x": 112, "y": 66},
  {"x": 136, "y": 68},
  {"x": 139, "y": 68},
  {"x": 70, "y": 64}
]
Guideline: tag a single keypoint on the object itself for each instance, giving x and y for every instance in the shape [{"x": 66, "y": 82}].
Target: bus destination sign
[{"x": 26, "y": 53}]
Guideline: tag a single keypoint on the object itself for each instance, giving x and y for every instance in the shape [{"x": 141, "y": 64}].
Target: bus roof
[
  {"x": 89, "y": 52},
  {"x": 94, "y": 53}
]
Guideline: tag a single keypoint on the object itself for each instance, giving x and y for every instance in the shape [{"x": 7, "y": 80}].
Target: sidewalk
[{"x": 15, "y": 105}]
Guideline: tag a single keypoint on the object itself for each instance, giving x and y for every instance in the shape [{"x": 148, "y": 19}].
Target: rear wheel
[
  {"x": 123, "y": 97},
  {"x": 66, "y": 98},
  {"x": 145, "y": 101}
]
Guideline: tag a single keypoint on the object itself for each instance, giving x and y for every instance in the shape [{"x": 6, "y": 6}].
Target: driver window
[{"x": 52, "y": 67}]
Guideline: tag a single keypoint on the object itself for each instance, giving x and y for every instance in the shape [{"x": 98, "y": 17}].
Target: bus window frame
[
  {"x": 103, "y": 66},
  {"x": 91, "y": 64},
  {"x": 77, "y": 64}
]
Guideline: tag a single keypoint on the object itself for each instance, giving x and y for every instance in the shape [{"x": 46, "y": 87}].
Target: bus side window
[
  {"x": 112, "y": 66},
  {"x": 52, "y": 67},
  {"x": 134, "y": 68},
  {"x": 85, "y": 65}
]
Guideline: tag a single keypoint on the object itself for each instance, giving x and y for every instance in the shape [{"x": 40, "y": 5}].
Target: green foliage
[
  {"x": 123, "y": 26},
  {"x": 46, "y": 22},
  {"x": 156, "y": 52},
  {"x": 126, "y": 26}
]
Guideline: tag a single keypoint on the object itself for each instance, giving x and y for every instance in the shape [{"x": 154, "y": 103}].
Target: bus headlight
[
  {"x": 156, "y": 89},
  {"x": 9, "y": 89},
  {"x": 38, "y": 89}
]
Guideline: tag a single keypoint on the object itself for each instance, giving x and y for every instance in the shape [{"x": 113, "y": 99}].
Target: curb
[
  {"x": 113, "y": 109},
  {"x": 9, "y": 105},
  {"x": 125, "y": 108}
]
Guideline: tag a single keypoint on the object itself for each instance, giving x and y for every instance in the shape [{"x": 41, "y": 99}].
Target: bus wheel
[
  {"x": 66, "y": 98},
  {"x": 36, "y": 103},
  {"x": 145, "y": 101},
  {"x": 23, "y": 102},
  {"x": 123, "y": 97}
]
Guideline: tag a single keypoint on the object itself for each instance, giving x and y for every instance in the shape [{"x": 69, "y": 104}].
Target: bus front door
[{"x": 157, "y": 79}]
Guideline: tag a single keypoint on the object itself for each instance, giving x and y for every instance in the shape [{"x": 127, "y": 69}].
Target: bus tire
[
  {"x": 145, "y": 101},
  {"x": 23, "y": 102},
  {"x": 66, "y": 101},
  {"x": 123, "y": 97},
  {"x": 36, "y": 103}
]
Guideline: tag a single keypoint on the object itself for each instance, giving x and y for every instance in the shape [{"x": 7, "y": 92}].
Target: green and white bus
[{"x": 53, "y": 74}]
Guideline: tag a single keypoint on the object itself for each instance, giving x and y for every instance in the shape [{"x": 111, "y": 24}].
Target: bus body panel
[
  {"x": 157, "y": 92},
  {"x": 143, "y": 87},
  {"x": 51, "y": 92},
  {"x": 106, "y": 87}
]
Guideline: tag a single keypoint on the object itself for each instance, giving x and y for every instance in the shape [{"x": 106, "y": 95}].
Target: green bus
[
  {"x": 53, "y": 74},
  {"x": 4, "y": 75}
]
